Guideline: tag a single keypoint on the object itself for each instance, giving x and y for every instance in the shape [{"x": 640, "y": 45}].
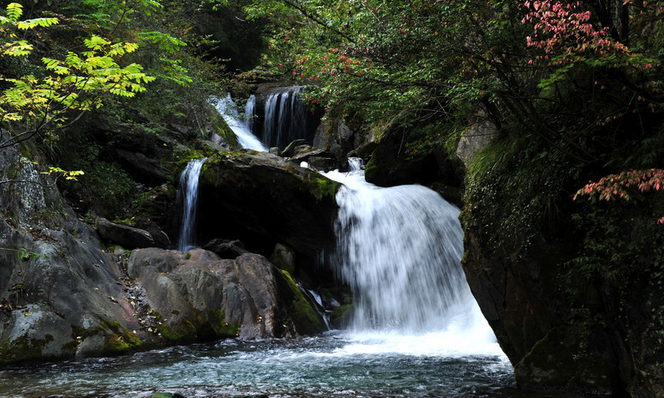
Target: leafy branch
[{"x": 76, "y": 83}]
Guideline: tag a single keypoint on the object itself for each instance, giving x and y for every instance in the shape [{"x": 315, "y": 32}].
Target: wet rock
[
  {"x": 294, "y": 147},
  {"x": 200, "y": 296},
  {"x": 158, "y": 235},
  {"x": 284, "y": 258}
]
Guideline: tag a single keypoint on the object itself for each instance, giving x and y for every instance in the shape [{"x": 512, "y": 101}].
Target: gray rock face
[
  {"x": 143, "y": 168},
  {"x": 61, "y": 296},
  {"x": 481, "y": 131},
  {"x": 249, "y": 291}
]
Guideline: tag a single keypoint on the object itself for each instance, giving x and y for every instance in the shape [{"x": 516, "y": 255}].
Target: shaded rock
[
  {"x": 390, "y": 165},
  {"x": 124, "y": 235},
  {"x": 158, "y": 235},
  {"x": 142, "y": 168},
  {"x": 262, "y": 199},
  {"x": 225, "y": 248},
  {"x": 480, "y": 132},
  {"x": 318, "y": 159},
  {"x": 338, "y": 138},
  {"x": 284, "y": 258},
  {"x": 294, "y": 147},
  {"x": 159, "y": 206}
]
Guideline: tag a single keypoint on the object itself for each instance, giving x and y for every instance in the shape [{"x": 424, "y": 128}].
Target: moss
[
  {"x": 223, "y": 130},
  {"x": 222, "y": 329},
  {"x": 185, "y": 333},
  {"x": 23, "y": 349},
  {"x": 341, "y": 316},
  {"x": 305, "y": 318},
  {"x": 572, "y": 368},
  {"x": 118, "y": 338},
  {"x": 320, "y": 186},
  {"x": 69, "y": 348}
]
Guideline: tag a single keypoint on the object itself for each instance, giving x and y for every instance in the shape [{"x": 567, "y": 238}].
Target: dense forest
[{"x": 562, "y": 214}]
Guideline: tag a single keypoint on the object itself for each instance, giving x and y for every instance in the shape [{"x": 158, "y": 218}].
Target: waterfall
[
  {"x": 246, "y": 139},
  {"x": 285, "y": 117},
  {"x": 249, "y": 113},
  {"x": 399, "y": 249},
  {"x": 188, "y": 196}
]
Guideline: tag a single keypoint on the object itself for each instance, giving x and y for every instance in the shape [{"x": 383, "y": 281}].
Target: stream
[{"x": 336, "y": 364}]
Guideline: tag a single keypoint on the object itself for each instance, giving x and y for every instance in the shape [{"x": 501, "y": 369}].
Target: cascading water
[
  {"x": 399, "y": 249},
  {"x": 246, "y": 139},
  {"x": 285, "y": 117},
  {"x": 188, "y": 196},
  {"x": 417, "y": 331},
  {"x": 249, "y": 113}
]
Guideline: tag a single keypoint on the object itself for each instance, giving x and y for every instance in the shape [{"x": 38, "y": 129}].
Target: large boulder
[
  {"x": 124, "y": 235},
  {"x": 198, "y": 294},
  {"x": 262, "y": 199}
]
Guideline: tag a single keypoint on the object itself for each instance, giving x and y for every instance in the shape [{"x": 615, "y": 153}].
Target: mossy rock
[
  {"x": 561, "y": 361},
  {"x": 341, "y": 316},
  {"x": 185, "y": 333},
  {"x": 304, "y": 316},
  {"x": 118, "y": 339},
  {"x": 23, "y": 349},
  {"x": 222, "y": 329}
]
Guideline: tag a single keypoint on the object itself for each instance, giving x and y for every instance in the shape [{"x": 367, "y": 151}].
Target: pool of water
[{"x": 333, "y": 365}]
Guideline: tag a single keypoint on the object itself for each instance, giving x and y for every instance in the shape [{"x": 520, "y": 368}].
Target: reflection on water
[{"x": 334, "y": 365}]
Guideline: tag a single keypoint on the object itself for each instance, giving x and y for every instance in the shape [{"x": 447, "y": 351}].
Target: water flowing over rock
[
  {"x": 188, "y": 198},
  {"x": 62, "y": 296},
  {"x": 246, "y": 139},
  {"x": 285, "y": 117},
  {"x": 399, "y": 249}
]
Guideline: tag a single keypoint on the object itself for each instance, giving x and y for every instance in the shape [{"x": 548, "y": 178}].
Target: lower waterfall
[{"x": 399, "y": 249}]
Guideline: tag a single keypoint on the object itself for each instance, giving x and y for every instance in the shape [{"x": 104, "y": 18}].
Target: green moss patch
[
  {"x": 305, "y": 318},
  {"x": 23, "y": 349},
  {"x": 222, "y": 329},
  {"x": 320, "y": 186},
  {"x": 185, "y": 333}
]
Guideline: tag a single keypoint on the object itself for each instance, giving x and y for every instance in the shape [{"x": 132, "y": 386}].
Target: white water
[
  {"x": 399, "y": 249},
  {"x": 226, "y": 107},
  {"x": 188, "y": 196},
  {"x": 249, "y": 113},
  {"x": 285, "y": 117}
]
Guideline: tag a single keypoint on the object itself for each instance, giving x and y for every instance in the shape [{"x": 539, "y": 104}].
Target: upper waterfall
[
  {"x": 285, "y": 117},
  {"x": 241, "y": 128}
]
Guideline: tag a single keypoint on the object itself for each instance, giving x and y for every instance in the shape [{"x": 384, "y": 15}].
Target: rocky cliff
[
  {"x": 62, "y": 295},
  {"x": 572, "y": 289}
]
